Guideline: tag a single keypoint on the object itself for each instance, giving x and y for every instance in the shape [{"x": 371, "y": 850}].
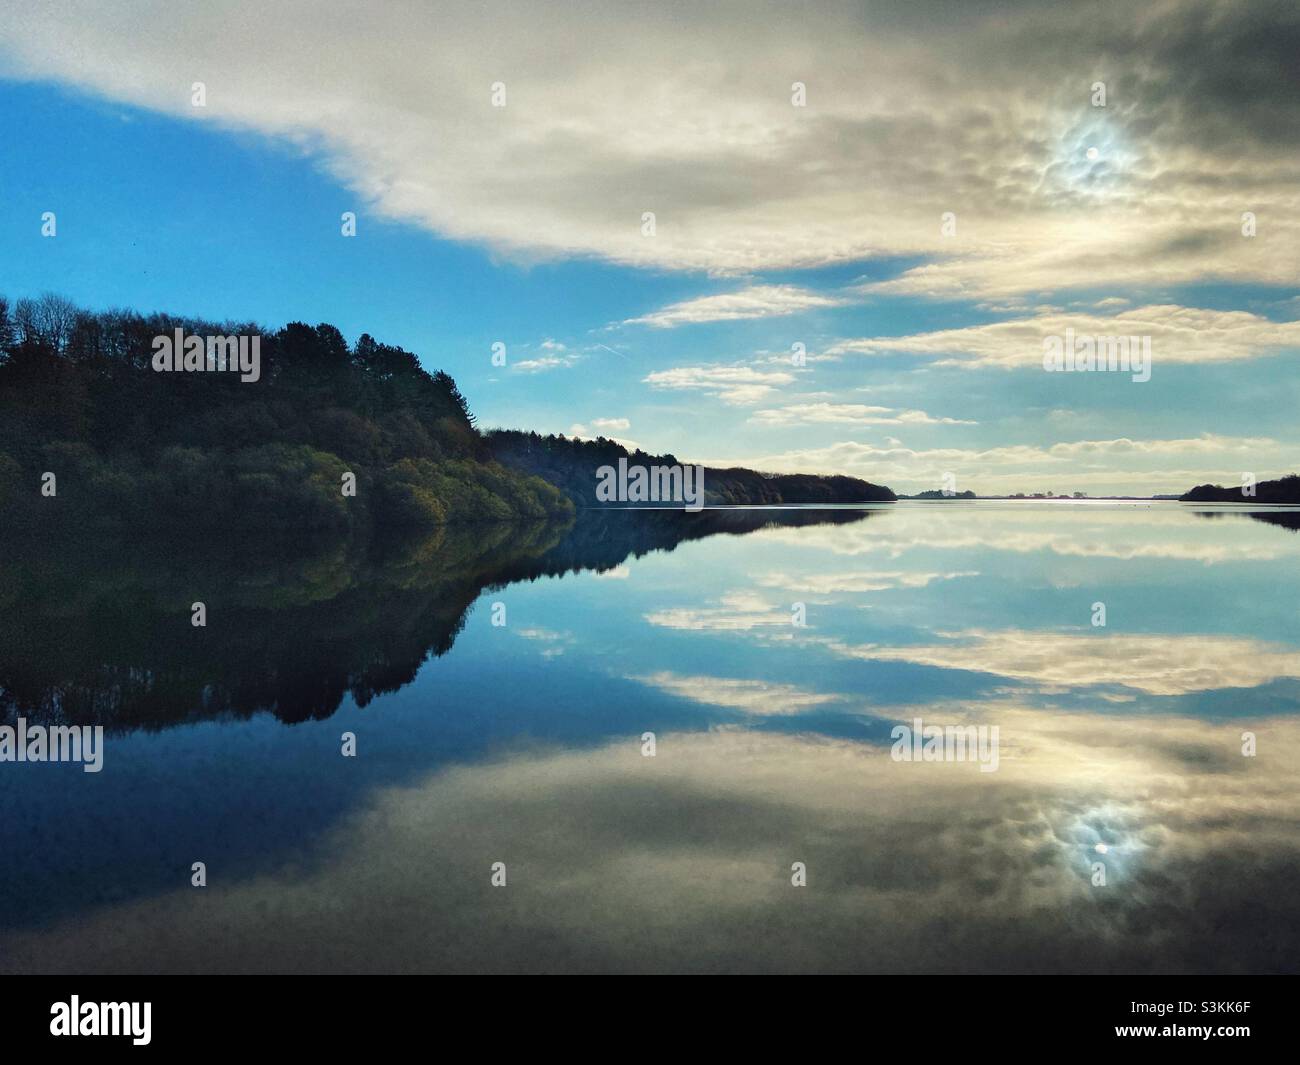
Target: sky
[{"x": 815, "y": 237}]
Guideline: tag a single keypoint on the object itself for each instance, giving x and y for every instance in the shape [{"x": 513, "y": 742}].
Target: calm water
[{"x": 1120, "y": 746}]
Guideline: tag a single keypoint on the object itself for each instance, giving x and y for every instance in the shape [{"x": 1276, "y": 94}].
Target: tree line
[{"x": 79, "y": 399}]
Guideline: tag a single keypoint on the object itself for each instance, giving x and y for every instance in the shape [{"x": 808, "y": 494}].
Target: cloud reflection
[
  {"x": 1163, "y": 664},
  {"x": 682, "y": 862}
]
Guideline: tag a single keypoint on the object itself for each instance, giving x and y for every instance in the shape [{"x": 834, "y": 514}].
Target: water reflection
[
  {"x": 1121, "y": 745},
  {"x": 682, "y": 862},
  {"x": 98, "y": 631}
]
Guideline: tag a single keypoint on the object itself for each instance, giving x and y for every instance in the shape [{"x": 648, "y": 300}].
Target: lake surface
[{"x": 1120, "y": 746}]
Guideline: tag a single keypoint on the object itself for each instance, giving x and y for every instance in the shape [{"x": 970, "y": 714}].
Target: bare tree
[
  {"x": 25, "y": 321},
  {"x": 56, "y": 316},
  {"x": 47, "y": 320},
  {"x": 6, "y": 328}
]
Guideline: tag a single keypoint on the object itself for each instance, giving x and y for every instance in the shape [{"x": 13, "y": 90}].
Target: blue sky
[{"x": 776, "y": 225}]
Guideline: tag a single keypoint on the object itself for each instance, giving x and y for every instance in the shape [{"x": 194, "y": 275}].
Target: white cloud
[
  {"x": 1178, "y": 335},
  {"x": 736, "y": 385},
  {"x": 757, "y": 301},
  {"x": 846, "y": 414},
  {"x": 609, "y": 428},
  {"x": 909, "y": 114},
  {"x": 600, "y": 426},
  {"x": 544, "y": 363}
]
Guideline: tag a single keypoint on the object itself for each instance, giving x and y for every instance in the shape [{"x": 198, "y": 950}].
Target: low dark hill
[
  {"x": 572, "y": 464},
  {"x": 1284, "y": 490}
]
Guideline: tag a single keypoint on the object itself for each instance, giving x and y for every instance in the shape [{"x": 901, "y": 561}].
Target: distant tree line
[
  {"x": 1283, "y": 490},
  {"x": 571, "y": 463}
]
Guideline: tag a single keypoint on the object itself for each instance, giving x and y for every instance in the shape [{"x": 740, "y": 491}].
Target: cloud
[
  {"x": 757, "y": 301},
  {"x": 604, "y": 426},
  {"x": 617, "y": 425},
  {"x": 545, "y": 363},
  {"x": 1110, "y": 466},
  {"x": 846, "y": 414},
  {"x": 912, "y": 110},
  {"x": 735, "y": 385},
  {"x": 1178, "y": 335}
]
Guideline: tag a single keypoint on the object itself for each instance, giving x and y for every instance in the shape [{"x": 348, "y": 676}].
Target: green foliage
[
  {"x": 419, "y": 492},
  {"x": 79, "y": 397}
]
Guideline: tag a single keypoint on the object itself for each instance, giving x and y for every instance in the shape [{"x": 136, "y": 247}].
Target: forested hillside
[
  {"x": 88, "y": 425},
  {"x": 571, "y": 465},
  {"x": 79, "y": 398}
]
